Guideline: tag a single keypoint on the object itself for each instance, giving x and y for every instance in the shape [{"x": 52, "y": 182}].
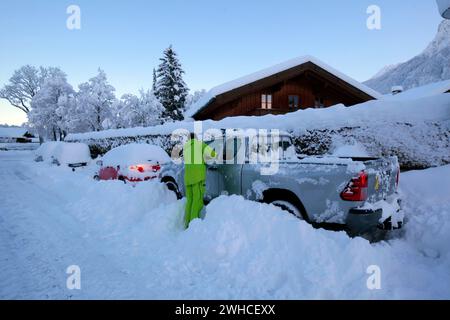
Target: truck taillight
[{"x": 356, "y": 189}]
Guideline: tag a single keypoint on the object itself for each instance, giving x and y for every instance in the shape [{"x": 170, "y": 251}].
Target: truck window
[
  {"x": 235, "y": 152},
  {"x": 287, "y": 148},
  {"x": 217, "y": 146},
  {"x": 261, "y": 149}
]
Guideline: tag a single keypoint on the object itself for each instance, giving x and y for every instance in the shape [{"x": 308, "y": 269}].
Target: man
[{"x": 195, "y": 152}]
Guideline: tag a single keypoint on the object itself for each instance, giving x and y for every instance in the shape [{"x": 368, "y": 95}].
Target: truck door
[
  {"x": 212, "y": 172},
  {"x": 224, "y": 176},
  {"x": 230, "y": 172}
]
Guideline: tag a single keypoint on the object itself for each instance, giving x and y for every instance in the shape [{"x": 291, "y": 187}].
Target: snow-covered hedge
[
  {"x": 417, "y": 146},
  {"x": 417, "y": 131}
]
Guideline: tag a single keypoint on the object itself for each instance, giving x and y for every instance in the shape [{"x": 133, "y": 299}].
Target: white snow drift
[{"x": 130, "y": 243}]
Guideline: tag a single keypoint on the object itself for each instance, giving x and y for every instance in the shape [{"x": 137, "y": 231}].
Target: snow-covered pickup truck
[{"x": 355, "y": 194}]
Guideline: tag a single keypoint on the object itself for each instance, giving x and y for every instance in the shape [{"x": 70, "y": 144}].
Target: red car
[{"x": 132, "y": 162}]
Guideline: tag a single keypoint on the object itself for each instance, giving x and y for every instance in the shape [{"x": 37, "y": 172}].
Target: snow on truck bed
[{"x": 434, "y": 108}]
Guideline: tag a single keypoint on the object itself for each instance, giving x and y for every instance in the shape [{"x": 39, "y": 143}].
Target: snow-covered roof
[
  {"x": 428, "y": 90},
  {"x": 12, "y": 132},
  {"x": 228, "y": 86}
]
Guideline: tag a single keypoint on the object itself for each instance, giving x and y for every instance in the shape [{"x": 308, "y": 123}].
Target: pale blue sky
[{"x": 217, "y": 41}]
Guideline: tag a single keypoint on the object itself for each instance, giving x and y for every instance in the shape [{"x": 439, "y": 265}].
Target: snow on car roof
[
  {"x": 73, "y": 152},
  {"x": 47, "y": 149},
  {"x": 264, "y": 73},
  {"x": 135, "y": 153}
]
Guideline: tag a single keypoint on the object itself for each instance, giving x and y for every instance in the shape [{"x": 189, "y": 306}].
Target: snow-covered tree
[
  {"x": 143, "y": 110},
  {"x": 51, "y": 105},
  {"x": 170, "y": 87},
  {"x": 193, "y": 98},
  {"x": 94, "y": 101},
  {"x": 25, "y": 84},
  {"x": 154, "y": 80}
]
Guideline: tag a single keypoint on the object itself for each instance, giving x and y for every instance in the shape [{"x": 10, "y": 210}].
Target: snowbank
[
  {"x": 248, "y": 250},
  {"x": 130, "y": 243}
]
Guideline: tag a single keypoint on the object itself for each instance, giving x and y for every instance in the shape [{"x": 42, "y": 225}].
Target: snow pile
[
  {"x": 353, "y": 149},
  {"x": 245, "y": 250},
  {"x": 135, "y": 153},
  {"x": 428, "y": 201},
  {"x": 130, "y": 243}
]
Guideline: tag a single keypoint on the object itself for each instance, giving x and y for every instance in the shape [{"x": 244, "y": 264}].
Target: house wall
[{"x": 306, "y": 86}]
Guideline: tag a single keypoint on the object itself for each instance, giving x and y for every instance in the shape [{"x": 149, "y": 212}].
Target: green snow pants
[{"x": 194, "y": 202}]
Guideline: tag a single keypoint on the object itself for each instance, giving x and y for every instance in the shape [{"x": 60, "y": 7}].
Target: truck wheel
[
  {"x": 286, "y": 200},
  {"x": 289, "y": 207},
  {"x": 172, "y": 186}
]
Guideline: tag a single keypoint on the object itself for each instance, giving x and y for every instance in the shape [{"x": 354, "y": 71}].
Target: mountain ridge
[{"x": 431, "y": 65}]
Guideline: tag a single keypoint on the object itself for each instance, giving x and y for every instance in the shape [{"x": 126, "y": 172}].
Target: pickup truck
[{"x": 358, "y": 195}]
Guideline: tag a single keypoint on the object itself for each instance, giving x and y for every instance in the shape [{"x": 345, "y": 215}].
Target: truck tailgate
[{"x": 383, "y": 175}]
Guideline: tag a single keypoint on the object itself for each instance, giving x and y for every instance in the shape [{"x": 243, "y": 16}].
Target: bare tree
[{"x": 24, "y": 85}]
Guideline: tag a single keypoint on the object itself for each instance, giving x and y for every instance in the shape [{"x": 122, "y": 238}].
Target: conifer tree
[{"x": 171, "y": 90}]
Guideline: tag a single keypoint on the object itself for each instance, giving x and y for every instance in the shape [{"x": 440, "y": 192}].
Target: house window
[
  {"x": 319, "y": 102},
  {"x": 293, "y": 102},
  {"x": 266, "y": 101}
]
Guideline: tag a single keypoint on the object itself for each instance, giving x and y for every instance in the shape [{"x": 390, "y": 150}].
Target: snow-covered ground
[{"x": 129, "y": 243}]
